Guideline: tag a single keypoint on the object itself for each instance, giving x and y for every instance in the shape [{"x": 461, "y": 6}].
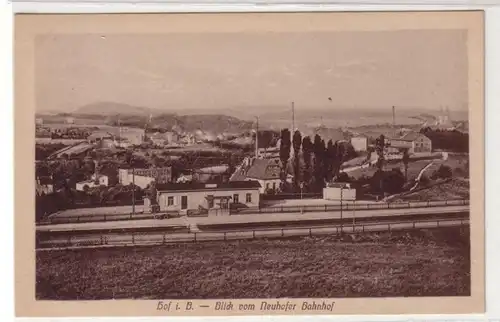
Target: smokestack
[{"x": 293, "y": 118}]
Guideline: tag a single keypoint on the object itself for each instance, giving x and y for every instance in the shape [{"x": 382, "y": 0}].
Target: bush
[
  {"x": 444, "y": 172},
  {"x": 424, "y": 180}
]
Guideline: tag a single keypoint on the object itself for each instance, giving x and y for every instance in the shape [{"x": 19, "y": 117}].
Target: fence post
[
  {"x": 363, "y": 228},
  {"x": 282, "y": 232},
  {"x": 437, "y": 223},
  {"x": 69, "y": 240},
  {"x": 325, "y": 208},
  {"x": 102, "y": 241},
  {"x": 413, "y": 225},
  {"x": 389, "y": 227},
  {"x": 428, "y": 203},
  {"x": 310, "y": 232},
  {"x": 253, "y": 234},
  {"x": 163, "y": 239},
  {"x": 446, "y": 202},
  {"x": 195, "y": 237},
  {"x": 133, "y": 238},
  {"x": 224, "y": 236}
]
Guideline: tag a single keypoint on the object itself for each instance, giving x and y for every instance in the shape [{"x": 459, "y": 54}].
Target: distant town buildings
[
  {"x": 70, "y": 120},
  {"x": 214, "y": 199},
  {"x": 144, "y": 177},
  {"x": 164, "y": 139},
  {"x": 39, "y": 121}
]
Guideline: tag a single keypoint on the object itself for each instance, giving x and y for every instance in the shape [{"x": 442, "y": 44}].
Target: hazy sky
[{"x": 409, "y": 69}]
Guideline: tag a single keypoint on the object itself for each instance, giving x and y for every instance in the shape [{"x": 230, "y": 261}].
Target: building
[
  {"x": 264, "y": 171},
  {"x": 184, "y": 178},
  {"x": 39, "y": 121},
  {"x": 212, "y": 199},
  {"x": 270, "y": 153},
  {"x": 339, "y": 191},
  {"x": 44, "y": 185},
  {"x": 143, "y": 177},
  {"x": 413, "y": 141},
  {"x": 359, "y": 143},
  {"x": 70, "y": 120},
  {"x": 95, "y": 181},
  {"x": 99, "y": 136}
]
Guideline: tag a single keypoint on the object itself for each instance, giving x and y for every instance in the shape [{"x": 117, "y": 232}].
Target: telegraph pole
[
  {"x": 133, "y": 190},
  {"x": 256, "y": 136},
  {"x": 394, "y": 120},
  {"x": 293, "y": 118},
  {"x": 341, "y": 210}
]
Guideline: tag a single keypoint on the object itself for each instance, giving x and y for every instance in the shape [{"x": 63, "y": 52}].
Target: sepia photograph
[{"x": 278, "y": 165}]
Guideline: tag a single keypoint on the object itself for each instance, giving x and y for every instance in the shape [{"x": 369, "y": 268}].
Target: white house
[
  {"x": 413, "y": 142},
  {"x": 95, "y": 181},
  {"x": 359, "y": 143},
  {"x": 339, "y": 191},
  {"x": 213, "y": 199}
]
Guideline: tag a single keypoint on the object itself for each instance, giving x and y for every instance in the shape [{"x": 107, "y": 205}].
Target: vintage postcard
[{"x": 249, "y": 164}]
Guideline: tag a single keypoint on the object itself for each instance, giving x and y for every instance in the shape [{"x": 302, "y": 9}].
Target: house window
[
  {"x": 249, "y": 197},
  {"x": 170, "y": 201},
  {"x": 236, "y": 198},
  {"x": 267, "y": 186},
  {"x": 210, "y": 201}
]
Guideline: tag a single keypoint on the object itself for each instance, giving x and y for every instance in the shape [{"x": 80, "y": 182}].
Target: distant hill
[
  {"x": 137, "y": 116},
  {"x": 111, "y": 108}
]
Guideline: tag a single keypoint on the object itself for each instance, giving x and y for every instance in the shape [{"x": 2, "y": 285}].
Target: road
[{"x": 156, "y": 238}]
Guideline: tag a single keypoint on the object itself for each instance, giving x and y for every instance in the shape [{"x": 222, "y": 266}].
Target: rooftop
[
  {"x": 232, "y": 185},
  {"x": 264, "y": 169},
  {"x": 412, "y": 136}
]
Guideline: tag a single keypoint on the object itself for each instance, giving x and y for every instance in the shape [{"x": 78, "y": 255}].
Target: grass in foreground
[{"x": 420, "y": 263}]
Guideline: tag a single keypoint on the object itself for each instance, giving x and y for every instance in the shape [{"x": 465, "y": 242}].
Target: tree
[
  {"x": 319, "y": 151},
  {"x": 284, "y": 153},
  {"x": 406, "y": 160},
  {"x": 297, "y": 142},
  {"x": 339, "y": 157},
  {"x": 444, "y": 172},
  {"x": 379, "y": 148},
  {"x": 394, "y": 181},
  {"x": 306, "y": 156},
  {"x": 331, "y": 155}
]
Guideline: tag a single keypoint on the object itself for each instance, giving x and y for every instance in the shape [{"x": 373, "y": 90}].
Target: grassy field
[{"x": 424, "y": 263}]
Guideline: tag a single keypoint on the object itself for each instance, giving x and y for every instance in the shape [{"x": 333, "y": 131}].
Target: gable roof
[
  {"x": 264, "y": 169},
  {"x": 232, "y": 185},
  {"x": 412, "y": 136}
]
